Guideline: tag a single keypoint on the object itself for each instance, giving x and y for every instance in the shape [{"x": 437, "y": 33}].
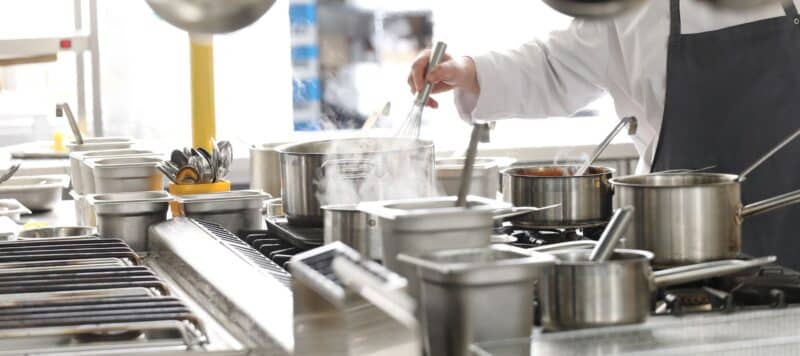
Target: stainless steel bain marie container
[
  {"x": 235, "y": 210},
  {"x": 127, "y": 216},
  {"x": 38, "y": 193},
  {"x": 420, "y": 226},
  {"x": 126, "y": 174},
  {"x": 81, "y": 173}
]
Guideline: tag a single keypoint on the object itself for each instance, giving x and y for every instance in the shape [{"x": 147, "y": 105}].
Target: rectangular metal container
[
  {"x": 478, "y": 294},
  {"x": 81, "y": 173},
  {"x": 235, "y": 210},
  {"x": 421, "y": 226},
  {"x": 38, "y": 193},
  {"x": 126, "y": 174},
  {"x": 128, "y": 215}
]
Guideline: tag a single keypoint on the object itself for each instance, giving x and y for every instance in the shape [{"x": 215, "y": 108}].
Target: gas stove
[
  {"x": 529, "y": 238},
  {"x": 83, "y": 296},
  {"x": 768, "y": 287}
]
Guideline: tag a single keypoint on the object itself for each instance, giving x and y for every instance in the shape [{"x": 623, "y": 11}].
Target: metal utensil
[
  {"x": 167, "y": 169},
  {"x": 63, "y": 108},
  {"x": 202, "y": 165},
  {"x": 410, "y": 127},
  {"x": 611, "y": 235},
  {"x": 225, "y": 158},
  {"x": 10, "y": 171},
  {"x": 179, "y": 158},
  {"x": 707, "y": 205},
  {"x": 210, "y": 16},
  {"x": 385, "y": 110},
  {"x": 632, "y": 125},
  {"x": 466, "y": 173},
  {"x": 518, "y": 211},
  {"x": 188, "y": 175}
]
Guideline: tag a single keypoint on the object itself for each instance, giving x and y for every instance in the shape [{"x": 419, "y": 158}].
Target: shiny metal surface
[
  {"x": 577, "y": 293},
  {"x": 335, "y": 309},
  {"x": 57, "y": 232},
  {"x": 210, "y": 16},
  {"x": 479, "y": 294},
  {"x": 38, "y": 193},
  {"x": 352, "y": 227},
  {"x": 688, "y": 217},
  {"x": 100, "y": 143},
  {"x": 593, "y": 8},
  {"x": 127, "y": 216},
  {"x": 465, "y": 181},
  {"x": 235, "y": 210},
  {"x": 10, "y": 172},
  {"x": 126, "y": 174},
  {"x": 421, "y": 226},
  {"x": 265, "y": 169},
  {"x": 585, "y": 200},
  {"x": 632, "y": 126},
  {"x": 612, "y": 234},
  {"x": 81, "y": 173},
  {"x": 485, "y": 182},
  {"x": 411, "y": 125},
  {"x": 302, "y": 171}
]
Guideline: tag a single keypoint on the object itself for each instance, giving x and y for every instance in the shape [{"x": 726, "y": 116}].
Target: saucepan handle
[
  {"x": 502, "y": 214},
  {"x": 770, "y": 204},
  {"x": 696, "y": 272},
  {"x": 565, "y": 246}
]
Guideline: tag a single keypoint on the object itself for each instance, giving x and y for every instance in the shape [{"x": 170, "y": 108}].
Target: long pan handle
[
  {"x": 695, "y": 272},
  {"x": 769, "y": 154},
  {"x": 630, "y": 121}
]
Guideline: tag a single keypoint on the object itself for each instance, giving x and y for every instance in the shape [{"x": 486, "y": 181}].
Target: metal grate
[{"x": 247, "y": 252}]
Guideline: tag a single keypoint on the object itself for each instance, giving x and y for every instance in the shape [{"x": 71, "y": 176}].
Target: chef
[{"x": 710, "y": 87}]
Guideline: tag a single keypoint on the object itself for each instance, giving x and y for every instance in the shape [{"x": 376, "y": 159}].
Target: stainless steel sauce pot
[
  {"x": 383, "y": 162},
  {"x": 585, "y": 200},
  {"x": 578, "y": 293},
  {"x": 689, "y": 217}
]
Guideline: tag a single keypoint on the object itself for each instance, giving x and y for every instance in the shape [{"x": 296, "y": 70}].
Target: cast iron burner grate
[
  {"x": 762, "y": 288},
  {"x": 280, "y": 241},
  {"x": 528, "y": 238}
]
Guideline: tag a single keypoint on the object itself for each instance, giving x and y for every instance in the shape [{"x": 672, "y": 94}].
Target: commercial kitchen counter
[{"x": 760, "y": 332}]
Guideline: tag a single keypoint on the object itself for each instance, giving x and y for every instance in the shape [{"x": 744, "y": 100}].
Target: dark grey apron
[{"x": 731, "y": 96}]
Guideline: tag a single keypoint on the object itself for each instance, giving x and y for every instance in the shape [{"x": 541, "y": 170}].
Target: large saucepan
[
  {"x": 364, "y": 169},
  {"x": 691, "y": 217}
]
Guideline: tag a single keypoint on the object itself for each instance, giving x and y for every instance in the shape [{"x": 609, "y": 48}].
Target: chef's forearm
[{"x": 540, "y": 79}]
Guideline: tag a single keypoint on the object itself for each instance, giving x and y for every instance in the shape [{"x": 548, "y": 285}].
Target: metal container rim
[
  {"x": 288, "y": 148},
  {"x": 510, "y": 171},
  {"x": 729, "y": 179}
]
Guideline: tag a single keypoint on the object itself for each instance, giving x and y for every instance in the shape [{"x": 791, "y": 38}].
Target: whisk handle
[{"x": 436, "y": 57}]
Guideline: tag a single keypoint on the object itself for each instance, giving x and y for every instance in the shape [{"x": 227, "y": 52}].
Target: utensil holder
[{"x": 189, "y": 189}]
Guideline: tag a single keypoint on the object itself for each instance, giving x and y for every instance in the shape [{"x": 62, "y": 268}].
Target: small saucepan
[{"x": 578, "y": 293}]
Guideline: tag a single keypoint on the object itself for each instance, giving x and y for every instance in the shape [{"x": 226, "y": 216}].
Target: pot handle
[
  {"x": 271, "y": 204},
  {"x": 778, "y": 147},
  {"x": 695, "y": 272},
  {"x": 565, "y": 246},
  {"x": 770, "y": 204},
  {"x": 518, "y": 211}
]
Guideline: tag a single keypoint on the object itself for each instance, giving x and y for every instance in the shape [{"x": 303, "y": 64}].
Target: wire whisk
[{"x": 411, "y": 125}]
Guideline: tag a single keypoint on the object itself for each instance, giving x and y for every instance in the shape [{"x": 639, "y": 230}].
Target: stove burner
[
  {"x": 527, "y": 238},
  {"x": 765, "y": 287}
]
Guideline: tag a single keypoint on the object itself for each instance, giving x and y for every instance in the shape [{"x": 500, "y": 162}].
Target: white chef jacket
[{"x": 625, "y": 56}]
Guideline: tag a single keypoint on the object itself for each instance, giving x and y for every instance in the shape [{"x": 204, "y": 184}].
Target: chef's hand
[{"x": 450, "y": 73}]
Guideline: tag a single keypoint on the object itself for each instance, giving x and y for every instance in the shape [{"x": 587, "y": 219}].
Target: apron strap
[
  {"x": 674, "y": 17},
  {"x": 790, "y": 9}
]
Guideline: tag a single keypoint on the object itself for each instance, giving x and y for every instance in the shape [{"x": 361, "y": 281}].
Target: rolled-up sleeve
[{"x": 548, "y": 78}]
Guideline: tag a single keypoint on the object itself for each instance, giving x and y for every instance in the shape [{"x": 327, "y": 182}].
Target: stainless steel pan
[
  {"x": 692, "y": 217},
  {"x": 585, "y": 200},
  {"x": 382, "y": 162},
  {"x": 578, "y": 293}
]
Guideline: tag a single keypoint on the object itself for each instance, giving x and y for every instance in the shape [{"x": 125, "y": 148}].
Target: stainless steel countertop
[{"x": 762, "y": 332}]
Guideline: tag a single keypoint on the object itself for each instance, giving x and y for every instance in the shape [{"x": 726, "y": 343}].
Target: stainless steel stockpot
[
  {"x": 586, "y": 201},
  {"x": 383, "y": 161},
  {"x": 689, "y": 217},
  {"x": 577, "y": 293}
]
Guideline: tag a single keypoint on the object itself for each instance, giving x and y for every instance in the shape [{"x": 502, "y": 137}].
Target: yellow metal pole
[{"x": 203, "y": 120}]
